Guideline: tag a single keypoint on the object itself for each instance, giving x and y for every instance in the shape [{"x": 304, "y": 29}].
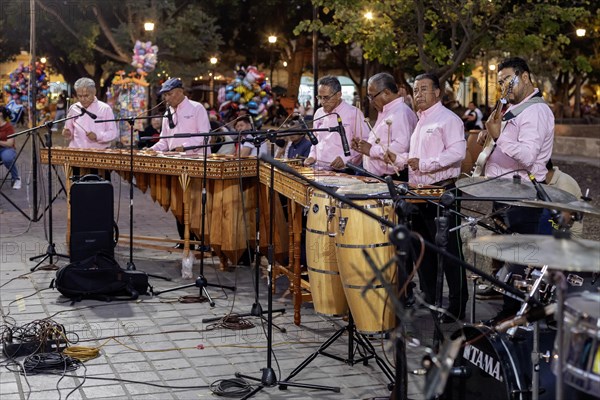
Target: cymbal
[
  {"x": 574, "y": 206},
  {"x": 480, "y": 186},
  {"x": 537, "y": 250}
]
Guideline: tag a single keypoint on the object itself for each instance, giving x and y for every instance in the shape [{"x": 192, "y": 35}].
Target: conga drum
[
  {"x": 372, "y": 311},
  {"x": 325, "y": 283}
]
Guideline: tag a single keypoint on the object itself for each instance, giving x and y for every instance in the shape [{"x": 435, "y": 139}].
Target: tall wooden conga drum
[
  {"x": 368, "y": 299},
  {"x": 325, "y": 283}
]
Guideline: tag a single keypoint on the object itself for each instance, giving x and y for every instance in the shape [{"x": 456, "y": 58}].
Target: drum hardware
[
  {"x": 342, "y": 225},
  {"x": 439, "y": 367},
  {"x": 330, "y": 212}
]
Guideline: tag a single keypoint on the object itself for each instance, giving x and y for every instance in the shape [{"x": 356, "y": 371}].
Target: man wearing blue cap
[{"x": 182, "y": 116}]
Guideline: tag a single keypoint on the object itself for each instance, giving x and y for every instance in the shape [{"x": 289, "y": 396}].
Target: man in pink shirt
[
  {"x": 182, "y": 116},
  {"x": 524, "y": 135},
  {"x": 437, "y": 148},
  {"x": 329, "y": 153},
  {"x": 391, "y": 132},
  {"x": 82, "y": 132}
]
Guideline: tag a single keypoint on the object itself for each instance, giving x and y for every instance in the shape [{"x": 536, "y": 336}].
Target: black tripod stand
[
  {"x": 201, "y": 282},
  {"x": 256, "y": 310},
  {"x": 51, "y": 249}
]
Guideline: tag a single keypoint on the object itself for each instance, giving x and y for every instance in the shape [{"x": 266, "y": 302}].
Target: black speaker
[{"x": 92, "y": 218}]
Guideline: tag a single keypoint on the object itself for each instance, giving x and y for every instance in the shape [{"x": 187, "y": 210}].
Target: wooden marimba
[{"x": 175, "y": 182}]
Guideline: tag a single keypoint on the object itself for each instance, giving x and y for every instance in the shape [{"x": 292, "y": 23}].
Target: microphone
[
  {"x": 170, "y": 118},
  {"x": 535, "y": 314},
  {"x": 311, "y": 135},
  {"x": 84, "y": 111},
  {"x": 391, "y": 187},
  {"x": 542, "y": 195},
  {"x": 342, "y": 132}
]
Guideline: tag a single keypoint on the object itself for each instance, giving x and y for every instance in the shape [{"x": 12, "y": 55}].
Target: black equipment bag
[{"x": 100, "y": 278}]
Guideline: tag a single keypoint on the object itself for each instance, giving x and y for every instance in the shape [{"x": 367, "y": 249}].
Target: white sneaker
[{"x": 16, "y": 184}]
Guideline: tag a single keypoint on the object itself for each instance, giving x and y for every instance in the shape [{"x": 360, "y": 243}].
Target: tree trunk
[{"x": 577, "y": 94}]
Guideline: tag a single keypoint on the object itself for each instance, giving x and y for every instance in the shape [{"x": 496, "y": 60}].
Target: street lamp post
[
  {"x": 211, "y": 97},
  {"x": 272, "y": 41}
]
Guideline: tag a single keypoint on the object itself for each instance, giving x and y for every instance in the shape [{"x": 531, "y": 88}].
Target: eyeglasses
[
  {"x": 326, "y": 98},
  {"x": 371, "y": 98}
]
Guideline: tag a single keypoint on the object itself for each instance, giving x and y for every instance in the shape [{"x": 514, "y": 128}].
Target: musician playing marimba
[
  {"x": 395, "y": 123},
  {"x": 437, "y": 148},
  {"x": 182, "y": 116}
]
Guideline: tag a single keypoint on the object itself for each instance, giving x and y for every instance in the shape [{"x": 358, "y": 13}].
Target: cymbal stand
[
  {"x": 561, "y": 285},
  {"x": 268, "y": 378}
]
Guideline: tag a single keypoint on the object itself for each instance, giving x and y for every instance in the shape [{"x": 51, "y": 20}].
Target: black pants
[
  {"x": 525, "y": 221},
  {"x": 423, "y": 222}
]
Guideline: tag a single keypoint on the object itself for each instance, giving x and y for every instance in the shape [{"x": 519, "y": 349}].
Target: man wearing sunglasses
[
  {"x": 524, "y": 137},
  {"x": 395, "y": 123},
  {"x": 329, "y": 152}
]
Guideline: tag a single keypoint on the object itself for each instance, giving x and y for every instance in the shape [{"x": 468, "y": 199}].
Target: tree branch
[{"x": 124, "y": 57}]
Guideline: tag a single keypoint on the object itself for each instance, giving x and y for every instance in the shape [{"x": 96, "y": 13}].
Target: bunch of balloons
[
  {"x": 18, "y": 86},
  {"x": 144, "y": 57},
  {"x": 249, "y": 90}
]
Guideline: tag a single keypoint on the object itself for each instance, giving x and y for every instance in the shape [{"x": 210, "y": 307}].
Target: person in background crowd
[
  {"x": 8, "y": 154},
  {"x": 473, "y": 118},
  {"x": 152, "y": 130}
]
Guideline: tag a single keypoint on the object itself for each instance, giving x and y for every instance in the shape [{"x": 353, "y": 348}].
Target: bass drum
[{"x": 500, "y": 368}]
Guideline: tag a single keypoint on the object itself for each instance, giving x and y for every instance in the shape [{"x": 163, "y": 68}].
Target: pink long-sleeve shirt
[
  {"x": 394, "y": 126},
  {"x": 330, "y": 143},
  {"x": 525, "y": 142},
  {"x": 189, "y": 117},
  {"x": 81, "y": 125},
  {"x": 439, "y": 143}
]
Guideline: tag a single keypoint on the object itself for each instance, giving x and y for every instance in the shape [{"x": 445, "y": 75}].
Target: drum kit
[
  {"x": 509, "y": 365},
  {"x": 349, "y": 226}
]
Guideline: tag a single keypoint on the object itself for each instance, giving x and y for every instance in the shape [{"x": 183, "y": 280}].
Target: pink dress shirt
[
  {"x": 80, "y": 126},
  {"x": 330, "y": 143},
  {"x": 439, "y": 143},
  {"x": 394, "y": 125},
  {"x": 189, "y": 117},
  {"x": 525, "y": 142}
]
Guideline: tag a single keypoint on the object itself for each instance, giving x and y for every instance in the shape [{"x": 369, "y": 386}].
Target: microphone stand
[
  {"x": 268, "y": 378},
  {"x": 131, "y": 122},
  {"x": 201, "y": 281},
  {"x": 51, "y": 249}
]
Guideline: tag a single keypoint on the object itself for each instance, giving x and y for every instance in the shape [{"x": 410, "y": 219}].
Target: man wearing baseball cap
[{"x": 182, "y": 116}]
